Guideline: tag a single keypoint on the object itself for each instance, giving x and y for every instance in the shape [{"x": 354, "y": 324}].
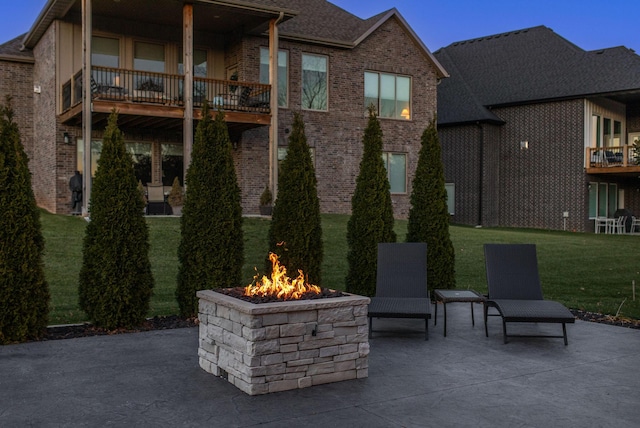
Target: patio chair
[
  {"x": 401, "y": 284},
  {"x": 515, "y": 291},
  {"x": 155, "y": 198}
]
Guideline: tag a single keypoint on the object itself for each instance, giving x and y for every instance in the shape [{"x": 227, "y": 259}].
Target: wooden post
[
  {"x": 86, "y": 104},
  {"x": 187, "y": 88}
]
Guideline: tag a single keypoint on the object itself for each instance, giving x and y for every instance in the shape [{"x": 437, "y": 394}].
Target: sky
[{"x": 589, "y": 24}]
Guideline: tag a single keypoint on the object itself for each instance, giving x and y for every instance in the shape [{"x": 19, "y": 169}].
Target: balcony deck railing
[
  {"x": 121, "y": 85},
  {"x": 617, "y": 156}
]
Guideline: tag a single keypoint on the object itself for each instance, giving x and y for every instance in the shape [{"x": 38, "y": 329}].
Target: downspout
[
  {"x": 481, "y": 174},
  {"x": 87, "y": 106},
  {"x": 273, "y": 81}
]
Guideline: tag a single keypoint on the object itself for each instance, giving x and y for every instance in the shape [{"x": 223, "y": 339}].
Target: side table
[{"x": 449, "y": 296}]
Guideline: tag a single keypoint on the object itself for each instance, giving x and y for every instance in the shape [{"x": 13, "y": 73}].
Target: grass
[{"x": 582, "y": 270}]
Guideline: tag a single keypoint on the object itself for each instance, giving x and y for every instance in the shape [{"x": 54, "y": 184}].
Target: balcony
[
  {"x": 617, "y": 160},
  {"x": 146, "y": 99}
]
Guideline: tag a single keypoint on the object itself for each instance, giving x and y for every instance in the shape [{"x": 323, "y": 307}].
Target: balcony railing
[
  {"x": 618, "y": 156},
  {"x": 120, "y": 85}
]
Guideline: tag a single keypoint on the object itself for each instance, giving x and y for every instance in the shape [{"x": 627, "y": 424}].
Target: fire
[{"x": 280, "y": 285}]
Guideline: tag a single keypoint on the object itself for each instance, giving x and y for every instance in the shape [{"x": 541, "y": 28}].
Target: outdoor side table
[{"x": 449, "y": 296}]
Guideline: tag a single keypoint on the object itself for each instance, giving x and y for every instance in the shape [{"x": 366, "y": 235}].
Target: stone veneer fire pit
[{"x": 271, "y": 347}]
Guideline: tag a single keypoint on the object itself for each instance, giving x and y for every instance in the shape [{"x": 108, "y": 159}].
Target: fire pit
[{"x": 287, "y": 344}]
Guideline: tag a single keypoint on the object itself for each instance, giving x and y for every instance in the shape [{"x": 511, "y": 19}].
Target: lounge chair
[
  {"x": 515, "y": 291},
  {"x": 401, "y": 284}
]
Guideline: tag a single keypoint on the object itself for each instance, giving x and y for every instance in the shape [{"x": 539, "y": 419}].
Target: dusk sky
[{"x": 590, "y": 24}]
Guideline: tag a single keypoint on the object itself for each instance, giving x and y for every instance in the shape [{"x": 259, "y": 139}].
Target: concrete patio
[{"x": 464, "y": 380}]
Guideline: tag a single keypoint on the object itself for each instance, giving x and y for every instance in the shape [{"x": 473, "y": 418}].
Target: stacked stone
[{"x": 275, "y": 347}]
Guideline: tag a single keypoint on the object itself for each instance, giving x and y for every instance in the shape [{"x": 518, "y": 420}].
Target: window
[
  {"x": 105, "y": 52},
  {"x": 451, "y": 197},
  {"x": 396, "y": 164},
  {"x": 199, "y": 70},
  {"x": 314, "y": 82},
  {"x": 172, "y": 163},
  {"x": 283, "y": 67},
  {"x": 148, "y": 57},
  {"x": 603, "y": 199},
  {"x": 141, "y": 155},
  {"x": 389, "y": 94}
]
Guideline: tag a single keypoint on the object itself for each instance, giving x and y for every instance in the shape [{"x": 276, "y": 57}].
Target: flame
[{"x": 280, "y": 285}]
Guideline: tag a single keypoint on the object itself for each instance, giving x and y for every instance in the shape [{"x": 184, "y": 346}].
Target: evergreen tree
[
  {"x": 428, "y": 215},
  {"x": 115, "y": 278},
  {"x": 371, "y": 219},
  {"x": 210, "y": 253},
  {"x": 24, "y": 293},
  {"x": 296, "y": 214}
]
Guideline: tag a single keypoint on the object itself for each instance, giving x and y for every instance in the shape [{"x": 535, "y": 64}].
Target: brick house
[
  {"x": 536, "y": 132},
  {"x": 157, "y": 61}
]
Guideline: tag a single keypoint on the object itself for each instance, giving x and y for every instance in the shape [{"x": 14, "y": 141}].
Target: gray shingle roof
[
  {"x": 11, "y": 50},
  {"x": 528, "y": 65}
]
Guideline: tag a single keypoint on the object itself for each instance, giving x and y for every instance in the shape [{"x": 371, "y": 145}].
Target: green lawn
[{"x": 582, "y": 270}]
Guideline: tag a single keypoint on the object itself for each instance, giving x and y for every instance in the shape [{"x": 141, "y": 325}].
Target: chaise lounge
[
  {"x": 401, "y": 284},
  {"x": 515, "y": 291}
]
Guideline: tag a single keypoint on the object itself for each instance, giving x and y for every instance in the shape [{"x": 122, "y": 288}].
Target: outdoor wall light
[
  {"x": 66, "y": 138},
  {"x": 524, "y": 145}
]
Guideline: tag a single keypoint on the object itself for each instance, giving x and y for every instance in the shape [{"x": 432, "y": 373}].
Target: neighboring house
[
  {"x": 537, "y": 132},
  {"x": 156, "y": 62}
]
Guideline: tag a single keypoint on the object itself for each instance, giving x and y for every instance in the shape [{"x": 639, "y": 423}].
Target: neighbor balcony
[
  {"x": 143, "y": 95},
  {"x": 620, "y": 160}
]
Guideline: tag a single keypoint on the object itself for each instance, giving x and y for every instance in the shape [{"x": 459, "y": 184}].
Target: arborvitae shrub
[
  {"x": 428, "y": 215},
  {"x": 296, "y": 213},
  {"x": 371, "y": 219},
  {"x": 24, "y": 293},
  {"x": 210, "y": 253},
  {"x": 175, "y": 198},
  {"x": 115, "y": 278}
]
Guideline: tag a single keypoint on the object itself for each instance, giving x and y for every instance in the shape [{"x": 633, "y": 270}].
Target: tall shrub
[
  {"x": 24, "y": 293},
  {"x": 371, "y": 219},
  {"x": 115, "y": 278},
  {"x": 210, "y": 253},
  {"x": 428, "y": 215},
  {"x": 296, "y": 214}
]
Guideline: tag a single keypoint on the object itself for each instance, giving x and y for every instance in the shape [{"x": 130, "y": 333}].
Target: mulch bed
[{"x": 174, "y": 321}]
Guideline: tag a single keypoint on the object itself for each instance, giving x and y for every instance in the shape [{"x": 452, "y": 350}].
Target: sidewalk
[{"x": 152, "y": 379}]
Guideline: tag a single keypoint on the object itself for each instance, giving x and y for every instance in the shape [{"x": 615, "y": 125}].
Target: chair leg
[
  {"x": 426, "y": 329},
  {"x": 504, "y": 330},
  {"x": 486, "y": 329}
]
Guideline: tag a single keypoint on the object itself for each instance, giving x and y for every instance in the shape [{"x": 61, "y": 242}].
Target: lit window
[{"x": 389, "y": 94}]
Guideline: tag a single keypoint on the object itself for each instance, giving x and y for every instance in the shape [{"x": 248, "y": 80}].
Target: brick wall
[
  {"x": 16, "y": 81},
  {"x": 521, "y": 188},
  {"x": 336, "y": 135}
]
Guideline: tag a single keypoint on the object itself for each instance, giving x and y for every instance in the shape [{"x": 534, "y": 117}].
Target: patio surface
[{"x": 152, "y": 379}]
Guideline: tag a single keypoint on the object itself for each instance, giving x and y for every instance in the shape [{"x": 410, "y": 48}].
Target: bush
[
  {"x": 371, "y": 219},
  {"x": 296, "y": 213},
  {"x": 266, "y": 198},
  {"x": 210, "y": 253},
  {"x": 175, "y": 195},
  {"x": 115, "y": 278},
  {"x": 24, "y": 293},
  {"x": 428, "y": 215}
]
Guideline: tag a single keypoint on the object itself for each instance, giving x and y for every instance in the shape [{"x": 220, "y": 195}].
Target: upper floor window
[
  {"x": 389, "y": 94},
  {"x": 283, "y": 72},
  {"x": 314, "y": 82},
  {"x": 105, "y": 51},
  {"x": 148, "y": 57},
  {"x": 396, "y": 164},
  {"x": 199, "y": 62}
]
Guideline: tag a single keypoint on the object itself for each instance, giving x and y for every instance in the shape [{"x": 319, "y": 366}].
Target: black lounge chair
[
  {"x": 401, "y": 284},
  {"x": 515, "y": 291}
]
